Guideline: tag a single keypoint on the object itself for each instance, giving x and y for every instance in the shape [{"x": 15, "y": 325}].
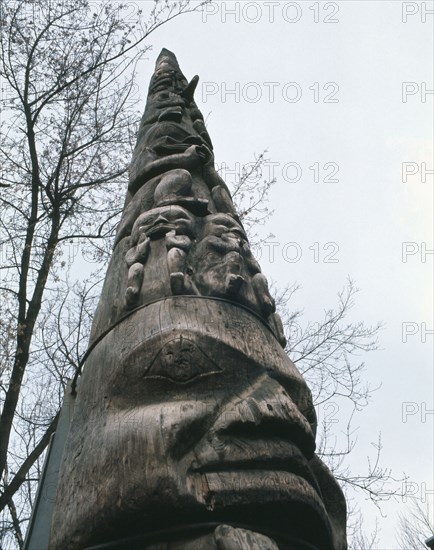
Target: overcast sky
[{"x": 340, "y": 94}]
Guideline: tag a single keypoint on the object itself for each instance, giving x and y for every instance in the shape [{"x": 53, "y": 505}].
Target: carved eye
[{"x": 181, "y": 361}]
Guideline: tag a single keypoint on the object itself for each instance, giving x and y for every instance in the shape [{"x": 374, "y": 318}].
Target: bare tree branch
[{"x": 20, "y": 476}]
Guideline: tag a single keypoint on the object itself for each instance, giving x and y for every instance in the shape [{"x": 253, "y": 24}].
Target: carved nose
[{"x": 266, "y": 411}]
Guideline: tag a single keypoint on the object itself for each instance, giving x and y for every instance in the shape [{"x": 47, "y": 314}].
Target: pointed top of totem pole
[
  {"x": 169, "y": 77},
  {"x": 166, "y": 57}
]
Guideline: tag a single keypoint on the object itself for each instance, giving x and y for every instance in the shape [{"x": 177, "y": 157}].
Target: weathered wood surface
[{"x": 189, "y": 412}]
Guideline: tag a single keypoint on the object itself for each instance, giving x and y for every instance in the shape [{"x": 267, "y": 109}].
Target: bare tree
[
  {"x": 416, "y": 525},
  {"x": 69, "y": 119},
  {"x": 357, "y": 535},
  {"x": 250, "y": 193}
]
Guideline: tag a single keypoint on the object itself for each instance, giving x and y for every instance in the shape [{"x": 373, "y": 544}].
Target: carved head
[
  {"x": 190, "y": 413},
  {"x": 221, "y": 225},
  {"x": 159, "y": 221},
  {"x": 170, "y": 108}
]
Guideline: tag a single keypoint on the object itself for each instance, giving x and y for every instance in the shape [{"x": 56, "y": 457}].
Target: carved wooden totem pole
[{"x": 192, "y": 428}]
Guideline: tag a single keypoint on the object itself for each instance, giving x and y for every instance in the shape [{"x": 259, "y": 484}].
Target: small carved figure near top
[{"x": 176, "y": 225}]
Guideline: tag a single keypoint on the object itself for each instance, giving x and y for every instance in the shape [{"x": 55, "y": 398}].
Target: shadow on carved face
[
  {"x": 221, "y": 432},
  {"x": 202, "y": 423}
]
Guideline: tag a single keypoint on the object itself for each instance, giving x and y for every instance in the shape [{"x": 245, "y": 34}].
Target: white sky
[{"x": 360, "y": 59}]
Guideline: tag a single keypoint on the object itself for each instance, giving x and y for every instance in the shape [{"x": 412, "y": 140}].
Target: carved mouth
[
  {"x": 171, "y": 114},
  {"x": 262, "y": 455},
  {"x": 160, "y": 228},
  {"x": 273, "y": 475},
  {"x": 274, "y": 500}
]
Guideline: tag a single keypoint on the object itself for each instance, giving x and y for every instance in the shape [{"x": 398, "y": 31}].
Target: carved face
[
  {"x": 210, "y": 422},
  {"x": 159, "y": 221},
  {"x": 221, "y": 256},
  {"x": 223, "y": 225},
  {"x": 171, "y": 111}
]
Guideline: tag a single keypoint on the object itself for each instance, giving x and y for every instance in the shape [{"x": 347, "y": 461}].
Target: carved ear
[{"x": 188, "y": 92}]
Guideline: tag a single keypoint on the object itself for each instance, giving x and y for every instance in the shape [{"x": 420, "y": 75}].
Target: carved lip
[
  {"x": 173, "y": 114},
  {"x": 160, "y": 228},
  {"x": 264, "y": 455},
  {"x": 283, "y": 488}
]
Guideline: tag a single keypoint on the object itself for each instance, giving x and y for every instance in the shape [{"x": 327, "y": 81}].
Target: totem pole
[{"x": 192, "y": 428}]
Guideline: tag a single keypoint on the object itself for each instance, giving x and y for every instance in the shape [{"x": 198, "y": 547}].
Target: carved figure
[
  {"x": 176, "y": 226},
  {"x": 226, "y": 264}
]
